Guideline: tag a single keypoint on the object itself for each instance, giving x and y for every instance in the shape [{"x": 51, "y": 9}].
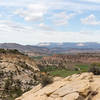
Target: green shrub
[
  {"x": 2, "y": 50},
  {"x": 45, "y": 80},
  {"x": 95, "y": 70}
]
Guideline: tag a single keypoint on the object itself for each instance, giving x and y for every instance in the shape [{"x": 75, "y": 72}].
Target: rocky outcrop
[
  {"x": 18, "y": 74},
  {"x": 83, "y": 86}
]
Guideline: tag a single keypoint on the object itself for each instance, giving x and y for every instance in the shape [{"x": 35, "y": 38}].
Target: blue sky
[{"x": 34, "y": 21}]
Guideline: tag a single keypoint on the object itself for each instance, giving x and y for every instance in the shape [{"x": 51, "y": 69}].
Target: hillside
[
  {"x": 83, "y": 86},
  {"x": 27, "y": 49},
  {"x": 17, "y": 74}
]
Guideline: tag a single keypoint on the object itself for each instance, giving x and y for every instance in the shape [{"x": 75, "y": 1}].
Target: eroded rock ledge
[{"x": 85, "y": 86}]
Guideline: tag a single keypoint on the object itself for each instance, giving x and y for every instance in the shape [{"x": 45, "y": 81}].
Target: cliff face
[
  {"x": 69, "y": 61},
  {"x": 17, "y": 74},
  {"x": 76, "y": 87}
]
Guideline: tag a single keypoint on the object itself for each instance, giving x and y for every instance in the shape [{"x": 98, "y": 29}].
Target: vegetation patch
[
  {"x": 13, "y": 51},
  {"x": 37, "y": 57},
  {"x": 45, "y": 80},
  {"x": 62, "y": 72},
  {"x": 95, "y": 70}
]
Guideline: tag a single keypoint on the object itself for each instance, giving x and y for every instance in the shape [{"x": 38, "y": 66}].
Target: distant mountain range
[
  {"x": 68, "y": 45},
  {"x": 50, "y": 48}
]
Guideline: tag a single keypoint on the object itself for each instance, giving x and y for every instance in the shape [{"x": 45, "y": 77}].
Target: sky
[{"x": 35, "y": 21}]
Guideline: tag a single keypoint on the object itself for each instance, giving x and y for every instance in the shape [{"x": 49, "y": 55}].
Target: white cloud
[
  {"x": 15, "y": 32},
  {"x": 8, "y": 26},
  {"x": 39, "y": 11},
  {"x": 34, "y": 12},
  {"x": 45, "y": 27},
  {"x": 53, "y": 4},
  {"x": 62, "y": 18},
  {"x": 93, "y": 1},
  {"x": 73, "y": 6},
  {"x": 90, "y": 20}
]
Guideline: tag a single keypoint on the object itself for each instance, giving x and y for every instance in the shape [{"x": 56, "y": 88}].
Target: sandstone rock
[
  {"x": 30, "y": 93},
  {"x": 75, "y": 87},
  {"x": 72, "y": 96},
  {"x": 80, "y": 86}
]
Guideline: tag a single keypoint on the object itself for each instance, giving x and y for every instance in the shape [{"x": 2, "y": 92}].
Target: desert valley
[
  {"x": 45, "y": 76},
  {"x": 49, "y": 49}
]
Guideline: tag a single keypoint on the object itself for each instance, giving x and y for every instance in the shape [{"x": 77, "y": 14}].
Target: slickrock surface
[{"x": 85, "y": 86}]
